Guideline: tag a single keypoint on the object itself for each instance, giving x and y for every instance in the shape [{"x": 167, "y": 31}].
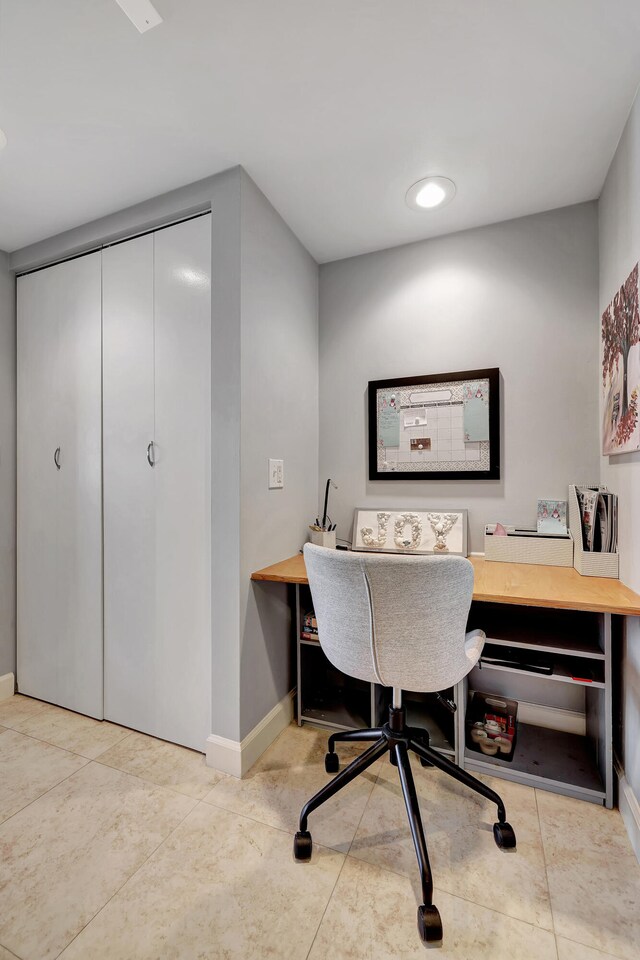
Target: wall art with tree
[{"x": 621, "y": 369}]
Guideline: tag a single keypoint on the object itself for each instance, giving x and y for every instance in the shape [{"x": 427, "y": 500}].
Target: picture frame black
[{"x": 492, "y": 472}]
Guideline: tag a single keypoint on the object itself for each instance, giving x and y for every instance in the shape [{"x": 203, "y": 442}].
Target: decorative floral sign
[{"x": 621, "y": 369}]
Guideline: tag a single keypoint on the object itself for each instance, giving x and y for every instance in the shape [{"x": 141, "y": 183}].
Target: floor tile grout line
[
  {"x": 10, "y": 952},
  {"x": 315, "y": 936},
  {"x": 483, "y": 906},
  {"x": 596, "y": 950},
  {"x": 130, "y": 877},
  {"x": 67, "y": 749},
  {"x": 45, "y": 792},
  {"x": 265, "y": 823},
  {"x": 500, "y": 913},
  {"x": 546, "y": 866},
  {"x": 326, "y": 907},
  {"x": 138, "y": 776},
  {"x": 30, "y": 736}
]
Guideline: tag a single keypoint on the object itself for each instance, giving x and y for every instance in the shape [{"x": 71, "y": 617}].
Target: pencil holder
[{"x": 323, "y": 538}]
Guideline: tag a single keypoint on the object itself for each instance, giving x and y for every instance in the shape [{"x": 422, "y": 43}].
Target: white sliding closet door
[
  {"x": 59, "y": 528},
  {"x": 129, "y": 482},
  {"x": 157, "y": 390}
]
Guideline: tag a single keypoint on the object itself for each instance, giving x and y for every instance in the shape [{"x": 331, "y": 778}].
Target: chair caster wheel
[
  {"x": 504, "y": 836},
  {"x": 302, "y": 846},
  {"x": 429, "y": 924},
  {"x": 392, "y": 759},
  {"x": 332, "y": 763}
]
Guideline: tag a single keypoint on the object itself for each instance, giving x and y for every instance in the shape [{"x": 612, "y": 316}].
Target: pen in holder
[
  {"x": 323, "y": 532},
  {"x": 324, "y": 538}
]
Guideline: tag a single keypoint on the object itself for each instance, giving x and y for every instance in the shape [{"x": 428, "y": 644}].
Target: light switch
[{"x": 276, "y": 474}]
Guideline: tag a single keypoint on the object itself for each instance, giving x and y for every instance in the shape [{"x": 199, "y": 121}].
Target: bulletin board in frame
[{"x": 436, "y": 427}]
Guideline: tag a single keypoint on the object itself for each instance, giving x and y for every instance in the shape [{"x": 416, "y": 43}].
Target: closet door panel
[
  {"x": 38, "y": 481},
  {"x": 80, "y": 507},
  {"x": 183, "y": 484},
  {"x": 129, "y": 485},
  {"x": 60, "y": 592}
]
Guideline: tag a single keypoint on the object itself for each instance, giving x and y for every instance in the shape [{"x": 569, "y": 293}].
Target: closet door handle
[
  {"x": 151, "y": 457},
  {"x": 56, "y": 458}
]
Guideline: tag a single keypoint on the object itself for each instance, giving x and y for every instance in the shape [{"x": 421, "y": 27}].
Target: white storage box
[
  {"x": 585, "y": 562},
  {"x": 546, "y": 551}
]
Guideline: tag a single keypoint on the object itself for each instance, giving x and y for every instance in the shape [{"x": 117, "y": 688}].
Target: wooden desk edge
[{"x": 292, "y": 570}]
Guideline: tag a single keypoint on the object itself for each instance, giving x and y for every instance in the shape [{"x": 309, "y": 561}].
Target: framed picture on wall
[
  {"x": 620, "y": 334},
  {"x": 416, "y": 531},
  {"x": 435, "y": 427}
]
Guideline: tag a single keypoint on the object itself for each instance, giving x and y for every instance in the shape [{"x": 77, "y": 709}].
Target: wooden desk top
[{"x": 518, "y": 583}]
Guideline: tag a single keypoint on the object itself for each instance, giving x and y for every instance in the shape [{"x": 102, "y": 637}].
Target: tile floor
[{"x": 116, "y": 846}]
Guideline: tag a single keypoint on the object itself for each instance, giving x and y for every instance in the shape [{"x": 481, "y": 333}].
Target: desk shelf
[
  {"x": 575, "y": 758},
  {"x": 549, "y": 753},
  {"x": 547, "y": 758},
  {"x": 580, "y": 670}
]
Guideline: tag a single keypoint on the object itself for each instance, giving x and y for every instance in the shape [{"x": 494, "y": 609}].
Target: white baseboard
[
  {"x": 630, "y": 809},
  {"x": 7, "y": 686},
  {"x": 552, "y": 717},
  {"x": 236, "y": 758}
]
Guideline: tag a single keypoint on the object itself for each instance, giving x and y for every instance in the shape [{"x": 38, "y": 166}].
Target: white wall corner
[
  {"x": 7, "y": 686},
  {"x": 553, "y": 718},
  {"x": 630, "y": 809},
  {"x": 237, "y": 758}
]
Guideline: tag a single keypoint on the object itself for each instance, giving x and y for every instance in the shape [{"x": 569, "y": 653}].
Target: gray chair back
[{"x": 396, "y": 620}]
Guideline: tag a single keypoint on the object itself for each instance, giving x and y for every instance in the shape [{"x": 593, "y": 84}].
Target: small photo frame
[
  {"x": 409, "y": 530},
  {"x": 552, "y": 517}
]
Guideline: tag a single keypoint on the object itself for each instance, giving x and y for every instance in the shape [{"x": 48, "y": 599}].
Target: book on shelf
[{"x": 309, "y": 630}]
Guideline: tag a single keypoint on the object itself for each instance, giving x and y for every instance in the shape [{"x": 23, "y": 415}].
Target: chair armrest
[{"x": 473, "y": 644}]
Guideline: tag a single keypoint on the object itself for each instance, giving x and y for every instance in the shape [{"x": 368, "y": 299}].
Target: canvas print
[{"x": 621, "y": 369}]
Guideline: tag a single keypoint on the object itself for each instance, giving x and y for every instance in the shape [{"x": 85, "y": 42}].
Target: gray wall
[
  {"x": 264, "y": 404},
  {"x": 520, "y": 295},
  {"x": 7, "y": 468},
  {"x": 279, "y": 353},
  {"x": 619, "y": 252}
]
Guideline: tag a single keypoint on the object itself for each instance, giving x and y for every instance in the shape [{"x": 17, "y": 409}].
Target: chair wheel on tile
[
  {"x": 302, "y": 846},
  {"x": 429, "y": 923},
  {"x": 332, "y": 763},
  {"x": 412, "y": 648},
  {"x": 504, "y": 836}
]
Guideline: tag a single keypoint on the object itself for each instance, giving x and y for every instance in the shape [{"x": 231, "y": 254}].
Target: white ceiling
[{"x": 334, "y": 107}]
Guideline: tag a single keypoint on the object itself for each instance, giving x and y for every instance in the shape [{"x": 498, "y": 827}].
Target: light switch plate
[
  {"x": 142, "y": 13},
  {"x": 276, "y": 474}
]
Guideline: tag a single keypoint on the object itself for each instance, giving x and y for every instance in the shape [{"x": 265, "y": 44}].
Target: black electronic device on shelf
[{"x": 517, "y": 659}]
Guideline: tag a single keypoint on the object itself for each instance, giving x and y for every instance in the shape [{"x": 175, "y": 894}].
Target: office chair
[{"x": 399, "y": 621}]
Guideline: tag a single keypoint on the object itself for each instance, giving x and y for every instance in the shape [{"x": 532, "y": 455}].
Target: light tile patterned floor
[{"x": 116, "y": 846}]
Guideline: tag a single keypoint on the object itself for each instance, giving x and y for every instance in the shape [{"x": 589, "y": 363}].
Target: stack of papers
[{"x": 599, "y": 516}]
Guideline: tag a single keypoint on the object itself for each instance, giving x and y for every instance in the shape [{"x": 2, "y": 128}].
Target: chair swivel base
[{"x": 397, "y": 739}]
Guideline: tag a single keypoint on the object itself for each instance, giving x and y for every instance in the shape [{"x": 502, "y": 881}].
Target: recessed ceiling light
[
  {"x": 430, "y": 192},
  {"x": 3, "y": 139}
]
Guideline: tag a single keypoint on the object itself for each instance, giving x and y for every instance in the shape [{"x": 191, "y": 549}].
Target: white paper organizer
[
  {"x": 546, "y": 551},
  {"x": 586, "y": 562}
]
